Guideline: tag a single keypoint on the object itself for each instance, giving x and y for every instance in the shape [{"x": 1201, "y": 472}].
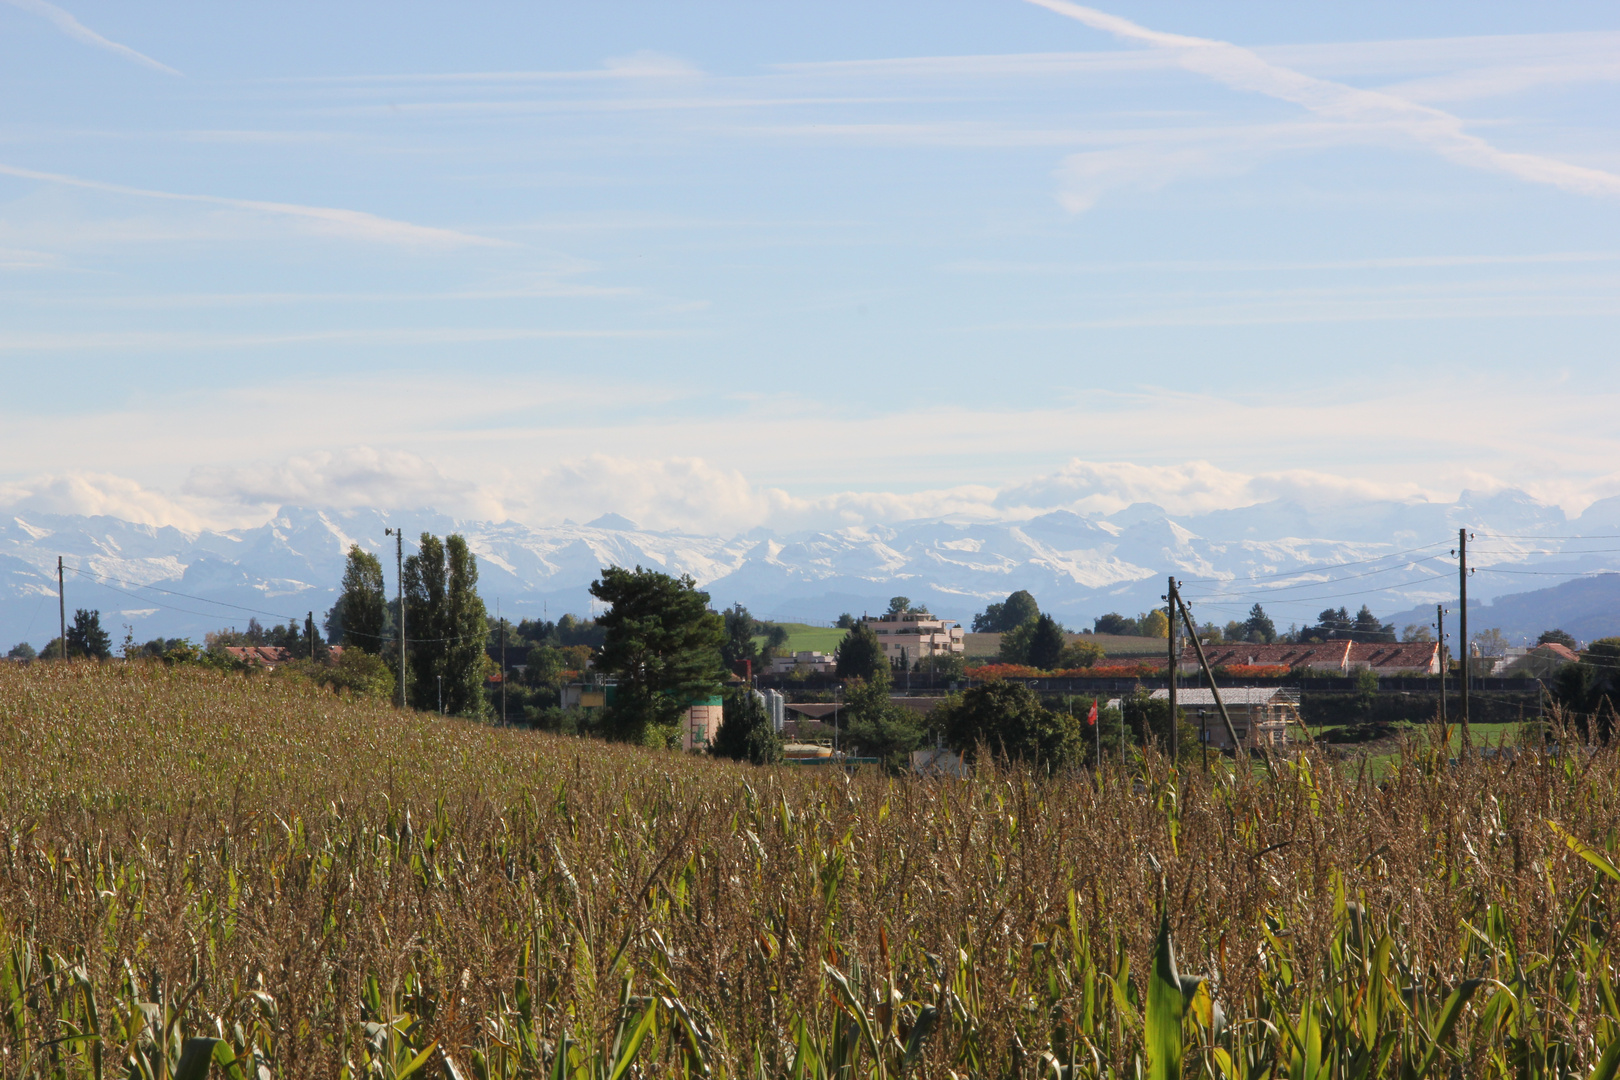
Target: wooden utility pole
[
  {"x": 1464, "y": 647},
  {"x": 61, "y": 605},
  {"x": 503, "y": 660},
  {"x": 1440, "y": 632},
  {"x": 309, "y": 628},
  {"x": 1203, "y": 663},
  {"x": 1172, "y": 601}
]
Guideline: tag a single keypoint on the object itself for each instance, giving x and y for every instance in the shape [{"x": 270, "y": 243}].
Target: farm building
[{"x": 1260, "y": 714}]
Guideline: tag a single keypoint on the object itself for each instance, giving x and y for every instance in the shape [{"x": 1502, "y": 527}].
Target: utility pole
[
  {"x": 503, "y": 657},
  {"x": 1463, "y": 645},
  {"x": 1172, "y": 602},
  {"x": 61, "y": 605},
  {"x": 309, "y": 628},
  {"x": 1215, "y": 691},
  {"x": 399, "y": 575},
  {"x": 1440, "y": 632}
]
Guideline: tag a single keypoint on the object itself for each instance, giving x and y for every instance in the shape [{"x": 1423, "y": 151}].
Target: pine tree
[
  {"x": 1046, "y": 644},
  {"x": 86, "y": 637},
  {"x": 663, "y": 643},
  {"x": 360, "y": 617},
  {"x": 745, "y": 732},
  {"x": 860, "y": 654}
]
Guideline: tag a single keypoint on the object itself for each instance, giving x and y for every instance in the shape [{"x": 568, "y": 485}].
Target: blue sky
[{"x": 714, "y": 266}]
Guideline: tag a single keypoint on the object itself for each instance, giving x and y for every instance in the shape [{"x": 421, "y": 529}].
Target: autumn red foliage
[{"x": 1140, "y": 669}]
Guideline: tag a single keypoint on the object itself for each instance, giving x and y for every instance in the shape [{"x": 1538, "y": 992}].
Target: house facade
[
  {"x": 1260, "y": 714},
  {"x": 816, "y": 663},
  {"x": 915, "y": 635}
]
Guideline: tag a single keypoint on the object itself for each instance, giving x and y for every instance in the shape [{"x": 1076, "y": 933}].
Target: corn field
[{"x": 209, "y": 874}]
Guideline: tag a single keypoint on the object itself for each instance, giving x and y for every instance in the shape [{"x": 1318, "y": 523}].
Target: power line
[
  {"x": 103, "y": 578},
  {"x": 169, "y": 607}
]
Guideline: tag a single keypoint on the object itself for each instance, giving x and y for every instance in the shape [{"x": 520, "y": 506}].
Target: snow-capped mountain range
[{"x": 1293, "y": 559}]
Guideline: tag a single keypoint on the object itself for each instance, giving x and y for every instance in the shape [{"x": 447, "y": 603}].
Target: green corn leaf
[
  {"x": 1585, "y": 850},
  {"x": 559, "y": 1062},
  {"x": 1608, "y": 1066},
  {"x": 1449, "y": 1015},
  {"x": 628, "y": 1056},
  {"x": 195, "y": 1058},
  {"x": 926, "y": 1021},
  {"x": 418, "y": 1061},
  {"x": 1164, "y": 1009}
]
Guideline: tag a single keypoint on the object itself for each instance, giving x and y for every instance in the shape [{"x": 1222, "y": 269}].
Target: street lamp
[{"x": 838, "y": 697}]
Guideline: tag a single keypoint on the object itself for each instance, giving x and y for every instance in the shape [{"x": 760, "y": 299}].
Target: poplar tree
[{"x": 448, "y": 627}]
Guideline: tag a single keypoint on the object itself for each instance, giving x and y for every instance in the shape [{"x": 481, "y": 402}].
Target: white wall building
[
  {"x": 817, "y": 663},
  {"x": 915, "y": 635}
]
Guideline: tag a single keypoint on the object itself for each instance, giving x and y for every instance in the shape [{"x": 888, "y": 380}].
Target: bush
[
  {"x": 745, "y": 732},
  {"x": 359, "y": 672},
  {"x": 1009, "y": 721}
]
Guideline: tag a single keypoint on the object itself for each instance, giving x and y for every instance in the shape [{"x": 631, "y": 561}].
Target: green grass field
[{"x": 802, "y": 636}]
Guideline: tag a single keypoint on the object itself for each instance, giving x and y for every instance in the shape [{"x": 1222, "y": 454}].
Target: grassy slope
[{"x": 814, "y": 638}]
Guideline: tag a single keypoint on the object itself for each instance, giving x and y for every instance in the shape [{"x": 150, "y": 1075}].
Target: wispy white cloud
[
  {"x": 100, "y": 493},
  {"x": 75, "y": 29},
  {"x": 685, "y": 494},
  {"x": 345, "y": 479},
  {"x": 1411, "y": 57},
  {"x": 537, "y": 452},
  {"x": 1573, "y": 56},
  {"x": 1476, "y": 83},
  {"x": 321, "y": 220},
  {"x": 540, "y": 290},
  {"x": 1244, "y": 69},
  {"x": 643, "y": 64},
  {"x": 1206, "y": 266},
  {"x": 165, "y": 340}
]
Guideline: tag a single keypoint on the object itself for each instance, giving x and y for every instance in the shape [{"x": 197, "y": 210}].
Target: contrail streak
[
  {"x": 353, "y": 223},
  {"x": 1242, "y": 69},
  {"x": 73, "y": 28}
]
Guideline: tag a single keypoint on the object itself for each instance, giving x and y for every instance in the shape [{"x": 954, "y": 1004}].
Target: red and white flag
[{"x": 1091, "y": 717}]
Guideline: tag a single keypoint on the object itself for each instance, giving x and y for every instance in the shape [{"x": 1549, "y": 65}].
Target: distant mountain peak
[{"x": 615, "y": 522}]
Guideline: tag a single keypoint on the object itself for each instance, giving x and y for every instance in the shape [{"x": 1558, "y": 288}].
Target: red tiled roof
[
  {"x": 1554, "y": 649},
  {"x": 270, "y": 654},
  {"x": 1392, "y": 656},
  {"x": 259, "y": 654},
  {"x": 1330, "y": 654}
]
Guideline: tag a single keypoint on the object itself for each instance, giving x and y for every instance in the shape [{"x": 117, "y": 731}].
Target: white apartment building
[
  {"x": 817, "y": 663},
  {"x": 915, "y": 635}
]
